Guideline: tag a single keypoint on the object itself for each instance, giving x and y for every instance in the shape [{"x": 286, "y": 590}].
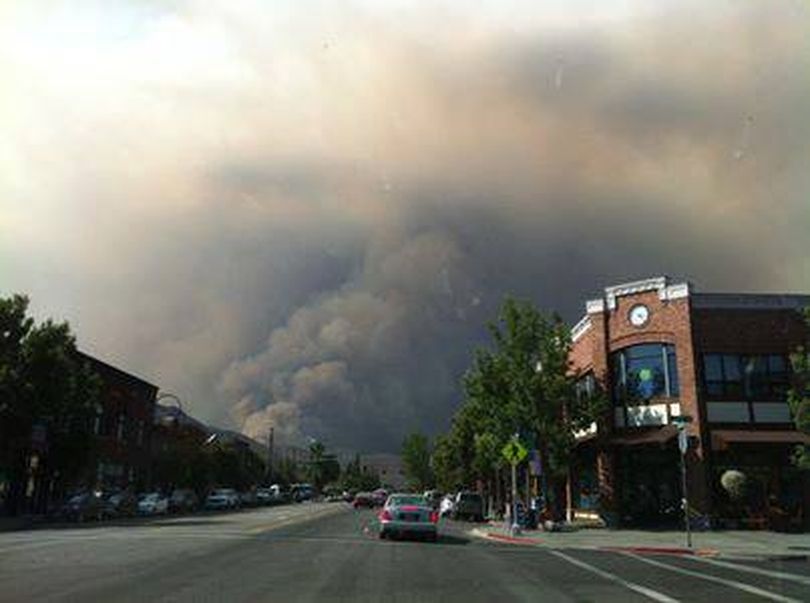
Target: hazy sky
[{"x": 302, "y": 213}]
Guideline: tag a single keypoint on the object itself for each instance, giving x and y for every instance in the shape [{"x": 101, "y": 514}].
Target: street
[{"x": 320, "y": 552}]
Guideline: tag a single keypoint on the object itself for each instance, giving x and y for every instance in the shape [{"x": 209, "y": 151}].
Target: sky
[{"x": 302, "y": 214}]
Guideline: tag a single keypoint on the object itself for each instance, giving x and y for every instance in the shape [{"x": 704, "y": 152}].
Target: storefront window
[
  {"x": 745, "y": 376},
  {"x": 646, "y": 371}
]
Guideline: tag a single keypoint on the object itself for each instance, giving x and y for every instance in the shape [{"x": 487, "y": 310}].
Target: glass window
[
  {"x": 643, "y": 372},
  {"x": 713, "y": 367},
  {"x": 745, "y": 376},
  {"x": 672, "y": 370},
  {"x": 731, "y": 367}
]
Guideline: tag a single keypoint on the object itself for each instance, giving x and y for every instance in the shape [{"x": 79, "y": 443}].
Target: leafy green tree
[
  {"x": 444, "y": 462},
  {"x": 799, "y": 395},
  {"x": 523, "y": 384},
  {"x": 45, "y": 388},
  {"x": 416, "y": 461}
]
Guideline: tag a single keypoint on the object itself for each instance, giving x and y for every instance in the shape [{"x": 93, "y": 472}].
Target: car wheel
[{"x": 383, "y": 535}]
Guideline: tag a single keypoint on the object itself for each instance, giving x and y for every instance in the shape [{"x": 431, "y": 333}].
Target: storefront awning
[
  {"x": 661, "y": 435},
  {"x": 722, "y": 438}
]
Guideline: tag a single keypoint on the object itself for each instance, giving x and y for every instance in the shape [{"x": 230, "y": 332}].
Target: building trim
[
  {"x": 677, "y": 291},
  {"x": 657, "y": 283},
  {"x": 581, "y": 328},
  {"x": 595, "y": 306}
]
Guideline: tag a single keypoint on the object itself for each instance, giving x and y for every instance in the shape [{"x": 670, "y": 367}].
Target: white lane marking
[
  {"x": 754, "y": 570},
  {"x": 642, "y": 590},
  {"x": 730, "y": 583}
]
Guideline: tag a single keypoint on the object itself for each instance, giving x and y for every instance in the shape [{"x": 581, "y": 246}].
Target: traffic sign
[{"x": 514, "y": 451}]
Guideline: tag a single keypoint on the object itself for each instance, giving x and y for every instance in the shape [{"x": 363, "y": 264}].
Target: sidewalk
[{"x": 732, "y": 544}]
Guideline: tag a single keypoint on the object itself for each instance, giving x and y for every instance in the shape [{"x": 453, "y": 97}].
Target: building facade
[
  {"x": 123, "y": 428},
  {"x": 662, "y": 350}
]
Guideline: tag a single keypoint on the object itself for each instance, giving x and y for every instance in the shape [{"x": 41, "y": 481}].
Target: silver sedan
[{"x": 409, "y": 515}]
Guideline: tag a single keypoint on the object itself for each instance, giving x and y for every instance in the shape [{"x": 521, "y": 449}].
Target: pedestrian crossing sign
[{"x": 514, "y": 451}]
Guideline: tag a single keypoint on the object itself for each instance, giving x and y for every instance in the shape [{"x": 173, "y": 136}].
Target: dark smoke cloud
[{"x": 304, "y": 221}]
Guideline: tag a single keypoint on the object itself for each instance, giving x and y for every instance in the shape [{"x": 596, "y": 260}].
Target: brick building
[
  {"x": 660, "y": 350},
  {"x": 123, "y": 427}
]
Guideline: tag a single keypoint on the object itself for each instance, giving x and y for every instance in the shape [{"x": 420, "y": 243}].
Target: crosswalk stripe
[
  {"x": 642, "y": 590},
  {"x": 730, "y": 583},
  {"x": 754, "y": 570}
]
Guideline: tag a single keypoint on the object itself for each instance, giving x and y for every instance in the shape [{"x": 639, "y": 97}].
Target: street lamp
[{"x": 165, "y": 395}]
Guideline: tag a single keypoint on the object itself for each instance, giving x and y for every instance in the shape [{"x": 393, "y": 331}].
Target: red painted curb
[{"x": 513, "y": 539}]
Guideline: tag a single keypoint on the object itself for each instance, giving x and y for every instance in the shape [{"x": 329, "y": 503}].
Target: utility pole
[{"x": 269, "y": 456}]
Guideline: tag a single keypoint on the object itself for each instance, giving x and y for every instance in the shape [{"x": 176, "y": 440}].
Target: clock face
[{"x": 639, "y": 315}]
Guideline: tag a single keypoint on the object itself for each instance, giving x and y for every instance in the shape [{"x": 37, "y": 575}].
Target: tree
[
  {"x": 49, "y": 400},
  {"x": 524, "y": 385},
  {"x": 799, "y": 395},
  {"x": 416, "y": 461},
  {"x": 444, "y": 464},
  {"x": 323, "y": 468}
]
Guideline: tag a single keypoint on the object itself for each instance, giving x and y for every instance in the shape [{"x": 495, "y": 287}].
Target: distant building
[{"x": 661, "y": 350}]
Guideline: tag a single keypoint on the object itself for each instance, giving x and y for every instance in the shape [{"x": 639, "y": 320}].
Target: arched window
[{"x": 645, "y": 371}]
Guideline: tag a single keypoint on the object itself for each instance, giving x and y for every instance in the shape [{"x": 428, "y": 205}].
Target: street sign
[
  {"x": 514, "y": 451},
  {"x": 683, "y": 441}
]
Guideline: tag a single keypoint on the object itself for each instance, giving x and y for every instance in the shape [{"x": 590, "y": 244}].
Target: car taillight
[
  {"x": 386, "y": 515},
  {"x": 434, "y": 517}
]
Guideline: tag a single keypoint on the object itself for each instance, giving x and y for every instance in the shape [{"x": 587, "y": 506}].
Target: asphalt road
[{"x": 320, "y": 552}]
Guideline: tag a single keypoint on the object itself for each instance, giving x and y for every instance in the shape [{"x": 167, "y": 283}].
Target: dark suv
[{"x": 470, "y": 506}]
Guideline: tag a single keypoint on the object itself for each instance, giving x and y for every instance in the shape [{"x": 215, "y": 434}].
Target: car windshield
[{"x": 503, "y": 300}]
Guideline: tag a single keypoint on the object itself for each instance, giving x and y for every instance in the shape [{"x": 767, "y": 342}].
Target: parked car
[
  {"x": 153, "y": 503},
  {"x": 332, "y": 494},
  {"x": 363, "y": 500},
  {"x": 83, "y": 506},
  {"x": 248, "y": 498},
  {"x": 380, "y": 495},
  {"x": 433, "y": 497},
  {"x": 222, "y": 498},
  {"x": 183, "y": 500},
  {"x": 447, "y": 506},
  {"x": 264, "y": 496},
  {"x": 279, "y": 494},
  {"x": 121, "y": 504},
  {"x": 409, "y": 515},
  {"x": 469, "y": 505},
  {"x": 302, "y": 492}
]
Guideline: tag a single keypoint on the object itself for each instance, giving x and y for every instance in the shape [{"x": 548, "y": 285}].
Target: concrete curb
[{"x": 639, "y": 550}]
